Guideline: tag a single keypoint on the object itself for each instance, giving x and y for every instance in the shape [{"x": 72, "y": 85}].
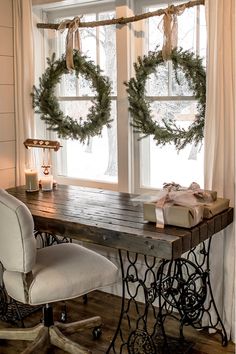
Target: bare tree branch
[{"x": 122, "y": 20}]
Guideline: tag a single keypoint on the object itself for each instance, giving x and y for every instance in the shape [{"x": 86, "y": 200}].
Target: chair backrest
[{"x": 17, "y": 241}]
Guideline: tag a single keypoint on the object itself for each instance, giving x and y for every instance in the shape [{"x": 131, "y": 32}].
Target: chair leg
[
  {"x": 64, "y": 343},
  {"x": 70, "y": 328},
  {"x": 40, "y": 342},
  {"x": 21, "y": 333}
]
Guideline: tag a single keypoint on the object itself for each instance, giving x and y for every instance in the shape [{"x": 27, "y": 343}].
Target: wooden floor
[{"x": 108, "y": 307}]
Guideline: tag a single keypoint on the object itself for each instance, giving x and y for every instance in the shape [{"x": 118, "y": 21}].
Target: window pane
[
  {"x": 180, "y": 86},
  {"x": 187, "y": 29},
  {"x": 88, "y": 38},
  {"x": 76, "y": 109},
  {"x": 178, "y": 110},
  {"x": 167, "y": 165},
  {"x": 159, "y": 164},
  {"x": 107, "y": 40},
  {"x": 96, "y": 159},
  {"x": 157, "y": 84}
]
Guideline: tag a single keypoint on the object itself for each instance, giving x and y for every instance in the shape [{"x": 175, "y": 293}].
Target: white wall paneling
[
  {"x": 6, "y": 74},
  {"x": 6, "y": 13},
  {"x": 6, "y": 98},
  {"x": 6, "y": 40}
]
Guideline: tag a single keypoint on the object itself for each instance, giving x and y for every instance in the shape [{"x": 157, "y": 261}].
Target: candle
[
  {"x": 47, "y": 183},
  {"x": 31, "y": 180}
]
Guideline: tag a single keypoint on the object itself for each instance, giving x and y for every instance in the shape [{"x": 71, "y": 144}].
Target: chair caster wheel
[
  {"x": 63, "y": 317},
  {"x": 97, "y": 332}
]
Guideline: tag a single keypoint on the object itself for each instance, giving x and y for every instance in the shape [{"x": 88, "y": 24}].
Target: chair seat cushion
[{"x": 62, "y": 271}]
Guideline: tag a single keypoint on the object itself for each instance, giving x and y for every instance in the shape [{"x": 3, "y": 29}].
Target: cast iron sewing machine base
[{"x": 180, "y": 289}]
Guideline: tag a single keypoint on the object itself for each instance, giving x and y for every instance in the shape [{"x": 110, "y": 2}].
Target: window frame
[
  {"x": 141, "y": 49},
  {"x": 131, "y": 46}
]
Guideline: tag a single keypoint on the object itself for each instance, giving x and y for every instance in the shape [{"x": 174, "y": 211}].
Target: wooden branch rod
[{"x": 124, "y": 20}]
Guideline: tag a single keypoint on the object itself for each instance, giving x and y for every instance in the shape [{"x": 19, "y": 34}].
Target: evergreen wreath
[
  {"x": 140, "y": 109},
  {"x": 46, "y": 103}
]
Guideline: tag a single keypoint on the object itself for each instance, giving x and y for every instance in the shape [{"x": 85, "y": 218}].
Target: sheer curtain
[
  {"x": 220, "y": 147},
  {"x": 24, "y": 79}
]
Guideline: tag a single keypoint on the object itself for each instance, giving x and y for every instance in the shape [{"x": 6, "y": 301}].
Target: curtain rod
[{"x": 124, "y": 20}]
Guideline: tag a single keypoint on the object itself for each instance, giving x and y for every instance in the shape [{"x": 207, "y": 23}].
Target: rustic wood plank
[
  {"x": 108, "y": 306},
  {"x": 112, "y": 219},
  {"x": 210, "y": 227},
  {"x": 195, "y": 236},
  {"x": 144, "y": 242},
  {"x": 203, "y": 231},
  {"x": 224, "y": 219},
  {"x": 230, "y": 215},
  {"x": 218, "y": 224}
]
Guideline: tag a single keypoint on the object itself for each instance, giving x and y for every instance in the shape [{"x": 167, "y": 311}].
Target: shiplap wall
[{"x": 7, "y": 117}]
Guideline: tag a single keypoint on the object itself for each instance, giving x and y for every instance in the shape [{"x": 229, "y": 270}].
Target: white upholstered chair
[{"x": 46, "y": 275}]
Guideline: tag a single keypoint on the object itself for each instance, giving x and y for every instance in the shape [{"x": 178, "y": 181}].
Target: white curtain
[
  {"x": 24, "y": 79},
  {"x": 220, "y": 147}
]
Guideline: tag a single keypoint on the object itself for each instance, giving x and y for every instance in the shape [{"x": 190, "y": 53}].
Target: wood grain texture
[
  {"x": 108, "y": 306},
  {"x": 112, "y": 219}
]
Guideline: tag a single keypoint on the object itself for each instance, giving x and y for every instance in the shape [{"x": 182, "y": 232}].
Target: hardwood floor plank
[{"x": 108, "y": 307}]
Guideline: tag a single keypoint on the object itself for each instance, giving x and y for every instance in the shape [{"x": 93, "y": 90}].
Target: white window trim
[{"x": 128, "y": 149}]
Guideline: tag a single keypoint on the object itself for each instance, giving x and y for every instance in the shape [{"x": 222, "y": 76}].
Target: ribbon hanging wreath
[
  {"x": 167, "y": 130},
  {"x": 45, "y": 102},
  {"x": 169, "y": 24},
  {"x": 72, "y": 39}
]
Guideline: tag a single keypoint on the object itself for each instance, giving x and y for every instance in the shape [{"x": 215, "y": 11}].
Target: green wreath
[
  {"x": 46, "y": 103},
  {"x": 167, "y": 131}
]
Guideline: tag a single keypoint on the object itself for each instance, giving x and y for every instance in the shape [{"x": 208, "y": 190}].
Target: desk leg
[
  {"x": 209, "y": 317},
  {"x": 141, "y": 326},
  {"x": 180, "y": 288},
  {"x": 185, "y": 287},
  {"x": 46, "y": 239}
]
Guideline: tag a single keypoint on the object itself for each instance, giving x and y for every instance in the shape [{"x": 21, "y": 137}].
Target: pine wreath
[
  {"x": 167, "y": 131},
  {"x": 46, "y": 103}
]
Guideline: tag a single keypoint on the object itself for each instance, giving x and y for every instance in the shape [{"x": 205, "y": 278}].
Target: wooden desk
[{"x": 111, "y": 219}]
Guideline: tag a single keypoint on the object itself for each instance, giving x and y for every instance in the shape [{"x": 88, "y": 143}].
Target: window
[
  {"x": 170, "y": 100},
  {"x": 117, "y": 160},
  {"x": 96, "y": 159}
]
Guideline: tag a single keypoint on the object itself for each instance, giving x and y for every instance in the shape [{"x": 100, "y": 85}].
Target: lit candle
[
  {"x": 31, "y": 180},
  {"x": 47, "y": 183}
]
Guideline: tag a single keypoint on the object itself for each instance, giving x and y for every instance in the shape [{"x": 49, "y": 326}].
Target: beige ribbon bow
[
  {"x": 72, "y": 39},
  {"x": 169, "y": 24},
  {"x": 175, "y": 194}
]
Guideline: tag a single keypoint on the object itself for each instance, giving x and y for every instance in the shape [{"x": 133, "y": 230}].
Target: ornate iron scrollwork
[
  {"x": 46, "y": 239},
  {"x": 179, "y": 288},
  {"x": 140, "y": 342},
  {"x": 183, "y": 286},
  {"x": 3, "y": 302}
]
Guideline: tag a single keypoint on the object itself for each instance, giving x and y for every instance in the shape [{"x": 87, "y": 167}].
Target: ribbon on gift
[
  {"x": 174, "y": 194},
  {"x": 72, "y": 39}
]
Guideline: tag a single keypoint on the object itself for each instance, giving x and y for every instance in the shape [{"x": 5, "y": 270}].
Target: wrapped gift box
[
  {"x": 176, "y": 215},
  {"x": 211, "y": 209},
  {"x": 185, "y": 216}
]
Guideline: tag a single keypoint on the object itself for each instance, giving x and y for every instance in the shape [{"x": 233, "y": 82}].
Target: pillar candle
[
  {"x": 31, "y": 180},
  {"x": 47, "y": 183}
]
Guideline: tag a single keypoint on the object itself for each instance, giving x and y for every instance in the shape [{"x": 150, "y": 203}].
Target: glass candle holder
[
  {"x": 47, "y": 183},
  {"x": 31, "y": 180}
]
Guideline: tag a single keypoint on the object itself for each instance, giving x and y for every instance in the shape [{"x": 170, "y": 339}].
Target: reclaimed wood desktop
[{"x": 112, "y": 219}]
